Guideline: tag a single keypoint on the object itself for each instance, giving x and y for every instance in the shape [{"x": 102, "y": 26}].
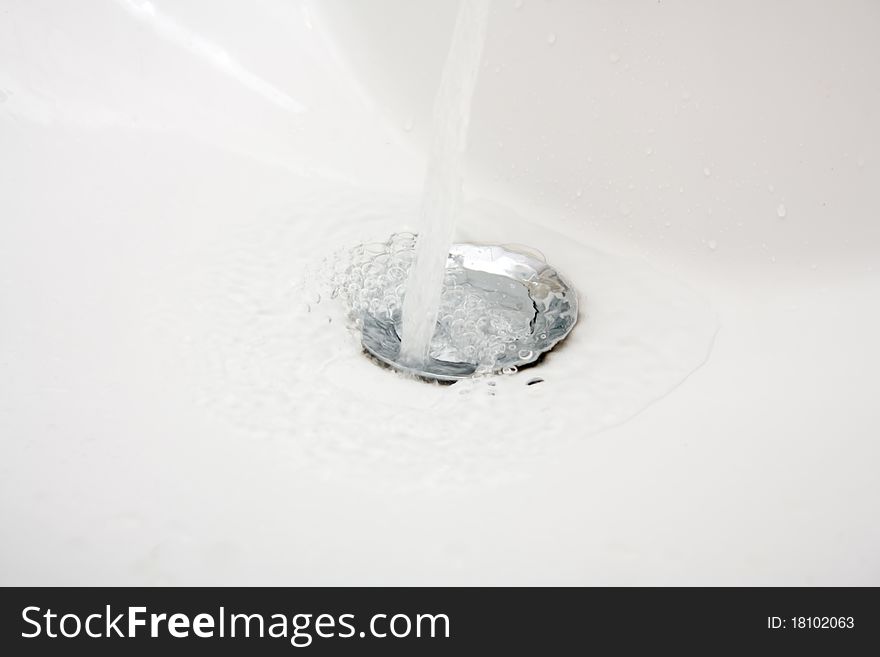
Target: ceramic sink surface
[{"x": 173, "y": 410}]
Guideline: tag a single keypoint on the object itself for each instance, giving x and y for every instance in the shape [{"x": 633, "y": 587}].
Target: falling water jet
[
  {"x": 441, "y": 198},
  {"x": 465, "y": 309}
]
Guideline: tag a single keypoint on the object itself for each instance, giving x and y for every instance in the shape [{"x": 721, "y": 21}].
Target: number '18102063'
[{"x": 811, "y": 623}]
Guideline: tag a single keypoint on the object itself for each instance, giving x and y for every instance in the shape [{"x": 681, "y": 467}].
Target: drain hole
[{"x": 532, "y": 382}]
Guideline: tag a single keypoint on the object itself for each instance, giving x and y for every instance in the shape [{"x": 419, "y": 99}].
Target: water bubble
[
  {"x": 712, "y": 244},
  {"x": 780, "y": 211},
  {"x": 551, "y": 38},
  {"x": 613, "y": 57},
  {"x": 707, "y": 171}
]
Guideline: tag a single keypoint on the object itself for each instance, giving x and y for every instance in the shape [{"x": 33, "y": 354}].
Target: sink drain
[{"x": 497, "y": 292}]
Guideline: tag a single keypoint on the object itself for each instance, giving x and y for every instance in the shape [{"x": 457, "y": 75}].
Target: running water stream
[{"x": 442, "y": 195}]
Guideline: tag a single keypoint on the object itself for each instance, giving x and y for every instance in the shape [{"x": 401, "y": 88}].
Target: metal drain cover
[{"x": 522, "y": 286}]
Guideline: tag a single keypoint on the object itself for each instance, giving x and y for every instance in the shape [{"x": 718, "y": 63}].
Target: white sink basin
[{"x": 172, "y": 410}]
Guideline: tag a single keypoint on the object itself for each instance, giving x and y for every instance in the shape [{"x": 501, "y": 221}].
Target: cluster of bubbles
[
  {"x": 371, "y": 277},
  {"x": 478, "y": 326},
  {"x": 474, "y": 325}
]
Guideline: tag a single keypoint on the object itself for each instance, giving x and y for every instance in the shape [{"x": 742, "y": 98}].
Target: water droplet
[
  {"x": 518, "y": 4},
  {"x": 551, "y": 38},
  {"x": 780, "y": 211},
  {"x": 625, "y": 209},
  {"x": 707, "y": 171},
  {"x": 712, "y": 244},
  {"x": 771, "y": 188},
  {"x": 649, "y": 150},
  {"x": 613, "y": 57},
  {"x": 408, "y": 126}
]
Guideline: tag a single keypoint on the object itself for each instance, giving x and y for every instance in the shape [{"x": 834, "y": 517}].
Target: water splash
[{"x": 474, "y": 325}]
